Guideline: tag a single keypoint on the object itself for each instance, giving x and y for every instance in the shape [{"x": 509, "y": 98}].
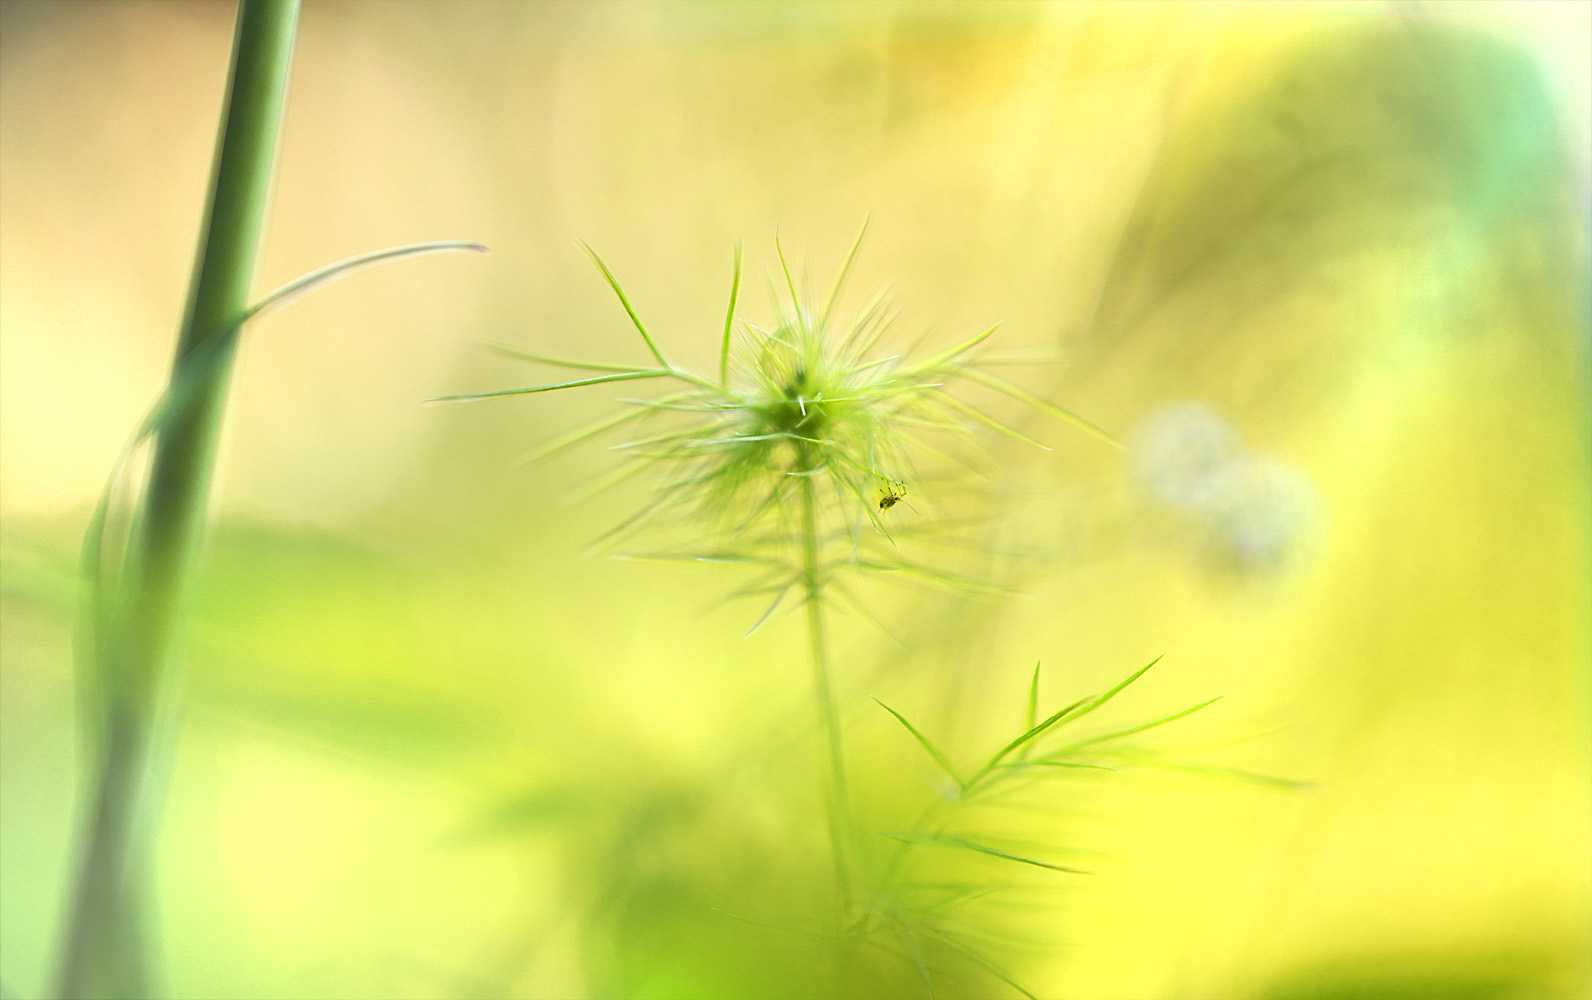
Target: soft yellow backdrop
[{"x": 426, "y": 742}]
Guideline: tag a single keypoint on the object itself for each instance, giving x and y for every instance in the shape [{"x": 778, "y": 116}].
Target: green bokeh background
[{"x": 430, "y": 746}]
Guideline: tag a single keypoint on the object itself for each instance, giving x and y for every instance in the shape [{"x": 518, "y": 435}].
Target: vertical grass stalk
[
  {"x": 838, "y": 796},
  {"x": 104, "y": 950}
]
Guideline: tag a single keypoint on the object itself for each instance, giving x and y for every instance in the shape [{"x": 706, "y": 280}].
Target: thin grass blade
[
  {"x": 305, "y": 284},
  {"x": 1032, "y": 733},
  {"x": 578, "y": 435},
  {"x": 988, "y": 421},
  {"x": 840, "y": 279},
  {"x": 599, "y": 380},
  {"x": 1098, "y": 702},
  {"x": 1033, "y": 698},
  {"x": 631, "y": 312},
  {"x": 983, "y": 849},
  {"x": 1214, "y": 770},
  {"x": 729, "y": 320},
  {"x": 934, "y": 361},
  {"x": 934, "y": 751},
  {"x": 542, "y": 359},
  {"x": 778, "y": 599},
  {"x": 1060, "y": 413},
  {"x": 790, "y": 283},
  {"x": 1142, "y": 726}
]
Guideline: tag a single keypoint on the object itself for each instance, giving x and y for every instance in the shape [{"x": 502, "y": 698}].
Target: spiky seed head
[{"x": 809, "y": 400}]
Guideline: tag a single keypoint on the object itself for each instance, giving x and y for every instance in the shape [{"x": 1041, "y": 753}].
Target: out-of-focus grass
[{"x": 433, "y": 751}]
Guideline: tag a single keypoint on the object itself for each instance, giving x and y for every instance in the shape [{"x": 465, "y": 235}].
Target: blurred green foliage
[{"x": 428, "y": 749}]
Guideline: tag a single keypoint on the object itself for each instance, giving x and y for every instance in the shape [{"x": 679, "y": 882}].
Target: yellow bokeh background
[{"x": 428, "y": 745}]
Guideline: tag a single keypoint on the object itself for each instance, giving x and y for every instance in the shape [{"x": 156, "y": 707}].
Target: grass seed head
[{"x": 811, "y": 399}]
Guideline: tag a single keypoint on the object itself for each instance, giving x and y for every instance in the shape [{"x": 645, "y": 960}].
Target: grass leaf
[
  {"x": 1153, "y": 758},
  {"x": 1033, "y": 698},
  {"x": 980, "y": 961},
  {"x": 778, "y": 598},
  {"x": 307, "y": 283},
  {"x": 1142, "y": 726},
  {"x": 589, "y": 366},
  {"x": 795, "y": 299},
  {"x": 1030, "y": 734},
  {"x": 935, "y": 361},
  {"x": 614, "y": 284},
  {"x": 1066, "y": 416},
  {"x": 729, "y": 320},
  {"x": 840, "y": 279},
  {"x": 622, "y": 377},
  {"x": 953, "y": 403},
  {"x": 982, "y": 849},
  {"x": 1098, "y": 702},
  {"x": 934, "y": 751}
]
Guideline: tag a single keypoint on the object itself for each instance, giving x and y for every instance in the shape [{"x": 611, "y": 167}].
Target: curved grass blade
[
  {"x": 200, "y": 367},
  {"x": 305, "y": 284}
]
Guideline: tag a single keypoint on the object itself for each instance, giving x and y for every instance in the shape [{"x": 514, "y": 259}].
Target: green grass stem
[
  {"x": 841, "y": 826},
  {"x": 104, "y": 952}
]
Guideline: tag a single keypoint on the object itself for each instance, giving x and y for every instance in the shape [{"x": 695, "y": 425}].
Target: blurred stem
[
  {"x": 839, "y": 800},
  {"x": 103, "y": 954}
]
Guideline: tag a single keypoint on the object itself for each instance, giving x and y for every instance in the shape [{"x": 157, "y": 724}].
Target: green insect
[{"x": 891, "y": 494}]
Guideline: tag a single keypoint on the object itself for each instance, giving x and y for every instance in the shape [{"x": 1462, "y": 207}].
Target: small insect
[{"x": 891, "y": 494}]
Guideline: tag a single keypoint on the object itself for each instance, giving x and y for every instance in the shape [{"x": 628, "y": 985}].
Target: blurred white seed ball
[
  {"x": 1255, "y": 512},
  {"x": 1181, "y": 453},
  {"x": 1266, "y": 510}
]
